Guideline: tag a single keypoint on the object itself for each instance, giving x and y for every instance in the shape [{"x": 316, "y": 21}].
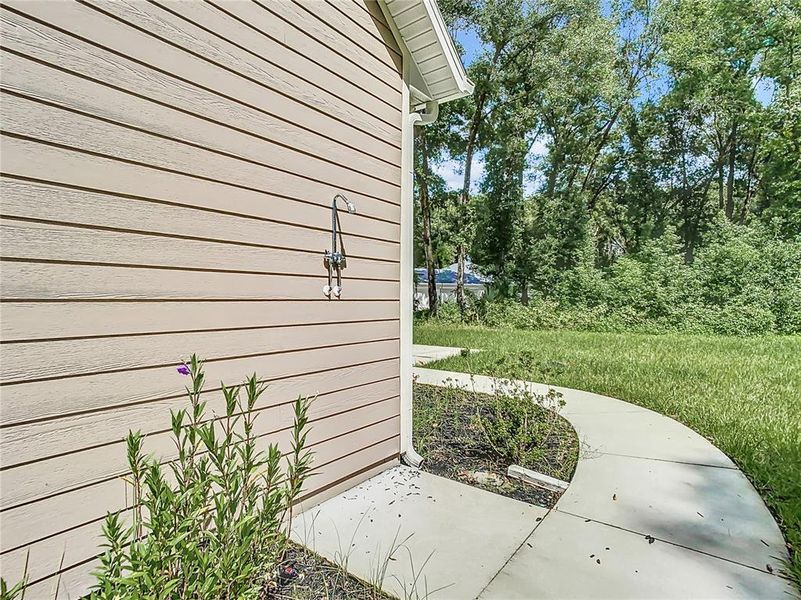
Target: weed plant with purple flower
[{"x": 212, "y": 524}]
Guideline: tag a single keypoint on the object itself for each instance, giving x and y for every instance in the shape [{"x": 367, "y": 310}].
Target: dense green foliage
[
  {"x": 742, "y": 394},
  {"x": 209, "y": 525},
  {"x": 743, "y": 282},
  {"x": 620, "y": 141}
]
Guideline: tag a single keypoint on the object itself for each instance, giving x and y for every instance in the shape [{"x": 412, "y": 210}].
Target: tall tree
[
  {"x": 712, "y": 52},
  {"x": 508, "y": 30},
  {"x": 778, "y": 178},
  {"x": 422, "y": 178},
  {"x": 650, "y": 118}
]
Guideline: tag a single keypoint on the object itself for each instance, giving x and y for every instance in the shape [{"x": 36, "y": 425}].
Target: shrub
[
  {"x": 517, "y": 422},
  {"x": 448, "y": 312},
  {"x": 210, "y": 524}
]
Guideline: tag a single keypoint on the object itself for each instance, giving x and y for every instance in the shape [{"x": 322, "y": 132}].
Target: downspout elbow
[{"x": 429, "y": 116}]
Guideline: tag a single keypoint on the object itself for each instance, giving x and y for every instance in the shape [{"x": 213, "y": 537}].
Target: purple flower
[{"x": 183, "y": 369}]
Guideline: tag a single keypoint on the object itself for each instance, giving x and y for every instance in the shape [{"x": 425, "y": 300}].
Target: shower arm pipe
[{"x": 335, "y": 219}]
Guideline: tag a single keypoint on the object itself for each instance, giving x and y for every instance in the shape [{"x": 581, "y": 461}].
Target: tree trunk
[
  {"x": 730, "y": 178},
  {"x": 524, "y": 293},
  {"x": 425, "y": 215},
  {"x": 464, "y": 198},
  {"x": 749, "y": 185},
  {"x": 555, "y": 167},
  {"x": 721, "y": 178}
]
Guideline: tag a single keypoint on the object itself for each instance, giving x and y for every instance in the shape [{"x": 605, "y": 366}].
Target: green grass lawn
[{"x": 743, "y": 394}]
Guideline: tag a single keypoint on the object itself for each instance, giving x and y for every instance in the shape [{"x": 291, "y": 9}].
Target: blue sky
[{"x": 470, "y": 43}]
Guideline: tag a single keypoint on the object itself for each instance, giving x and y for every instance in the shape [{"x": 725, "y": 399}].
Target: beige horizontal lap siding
[
  {"x": 223, "y": 74},
  {"x": 31, "y": 160},
  {"x": 97, "y": 470},
  {"x": 109, "y": 391},
  {"x": 165, "y": 186},
  {"x": 31, "y": 321},
  {"x": 42, "y": 202},
  {"x": 76, "y": 58},
  {"x": 33, "y": 240}
]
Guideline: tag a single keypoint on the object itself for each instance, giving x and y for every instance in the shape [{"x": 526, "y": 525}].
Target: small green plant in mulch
[
  {"x": 474, "y": 437},
  {"x": 519, "y": 421},
  {"x": 517, "y": 427}
]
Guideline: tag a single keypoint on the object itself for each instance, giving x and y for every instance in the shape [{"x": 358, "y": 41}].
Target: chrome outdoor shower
[{"x": 333, "y": 259}]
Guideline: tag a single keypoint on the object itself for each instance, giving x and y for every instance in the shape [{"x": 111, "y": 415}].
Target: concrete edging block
[{"x": 537, "y": 479}]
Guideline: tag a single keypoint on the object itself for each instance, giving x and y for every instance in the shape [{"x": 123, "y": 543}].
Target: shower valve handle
[{"x": 336, "y": 260}]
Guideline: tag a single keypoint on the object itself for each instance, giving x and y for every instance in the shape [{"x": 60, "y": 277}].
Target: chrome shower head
[{"x": 348, "y": 204}]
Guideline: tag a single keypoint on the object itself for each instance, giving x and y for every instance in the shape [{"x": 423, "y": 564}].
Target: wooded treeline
[{"x": 607, "y": 129}]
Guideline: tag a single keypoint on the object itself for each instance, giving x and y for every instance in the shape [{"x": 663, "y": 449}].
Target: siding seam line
[
  {"x": 172, "y": 204},
  {"x": 89, "y": 263},
  {"x": 178, "y": 236},
  {"x": 175, "y": 300},
  {"x": 134, "y": 334},
  {"x": 208, "y": 360}
]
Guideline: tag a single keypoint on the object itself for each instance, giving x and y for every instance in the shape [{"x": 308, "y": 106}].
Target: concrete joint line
[
  {"x": 667, "y": 460},
  {"x": 513, "y": 554}
]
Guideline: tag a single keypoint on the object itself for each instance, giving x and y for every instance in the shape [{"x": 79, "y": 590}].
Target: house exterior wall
[{"x": 167, "y": 171}]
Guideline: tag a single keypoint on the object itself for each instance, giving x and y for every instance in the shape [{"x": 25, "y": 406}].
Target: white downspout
[
  {"x": 411, "y": 118},
  {"x": 428, "y": 117},
  {"x": 408, "y": 454}
]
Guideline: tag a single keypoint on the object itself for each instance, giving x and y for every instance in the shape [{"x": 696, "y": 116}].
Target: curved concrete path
[{"x": 654, "y": 510}]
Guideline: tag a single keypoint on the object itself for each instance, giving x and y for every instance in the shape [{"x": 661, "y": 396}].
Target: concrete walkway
[
  {"x": 653, "y": 511},
  {"x": 417, "y": 535},
  {"x": 426, "y": 354}
]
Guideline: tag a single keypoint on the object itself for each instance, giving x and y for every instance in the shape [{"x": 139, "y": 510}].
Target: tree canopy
[{"x": 604, "y": 127}]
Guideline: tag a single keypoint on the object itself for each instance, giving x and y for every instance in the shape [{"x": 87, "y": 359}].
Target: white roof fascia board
[{"x": 442, "y": 76}]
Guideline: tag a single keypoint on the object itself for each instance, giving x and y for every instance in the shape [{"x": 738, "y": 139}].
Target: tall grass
[{"x": 743, "y": 394}]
